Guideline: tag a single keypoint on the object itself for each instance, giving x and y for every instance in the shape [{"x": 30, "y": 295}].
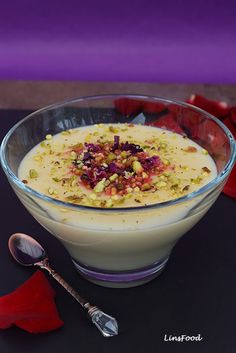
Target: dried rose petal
[
  {"x": 131, "y": 147},
  {"x": 116, "y": 142},
  {"x": 151, "y": 162}
]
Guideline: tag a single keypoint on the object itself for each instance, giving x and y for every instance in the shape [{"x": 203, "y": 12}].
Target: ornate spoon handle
[{"x": 106, "y": 324}]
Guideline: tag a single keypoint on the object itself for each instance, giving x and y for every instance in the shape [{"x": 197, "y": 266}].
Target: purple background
[{"x": 153, "y": 41}]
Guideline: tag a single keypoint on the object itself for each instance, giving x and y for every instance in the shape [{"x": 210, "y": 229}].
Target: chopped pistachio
[
  {"x": 163, "y": 145},
  {"x": 161, "y": 184},
  {"x": 196, "y": 180},
  {"x": 50, "y": 191},
  {"x": 144, "y": 175},
  {"x": 137, "y": 167},
  {"x": 166, "y": 161},
  {"x": 113, "y": 129},
  {"x": 107, "y": 182},
  {"x": 93, "y": 197},
  {"x": 166, "y": 174},
  {"x": 205, "y": 152},
  {"x": 43, "y": 144},
  {"x": 73, "y": 155},
  {"x": 88, "y": 138},
  {"x": 56, "y": 179},
  {"x": 124, "y": 154},
  {"x": 33, "y": 174},
  {"x": 66, "y": 132},
  {"x": 73, "y": 181},
  {"x": 99, "y": 187},
  {"x": 109, "y": 203},
  {"x": 38, "y": 158},
  {"x": 113, "y": 177},
  {"x": 74, "y": 198},
  {"x": 146, "y": 186},
  {"x": 111, "y": 157}
]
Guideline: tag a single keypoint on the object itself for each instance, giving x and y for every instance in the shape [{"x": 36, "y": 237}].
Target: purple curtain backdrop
[{"x": 152, "y": 41}]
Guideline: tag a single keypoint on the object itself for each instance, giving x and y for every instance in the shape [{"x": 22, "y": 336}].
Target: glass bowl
[{"x": 119, "y": 247}]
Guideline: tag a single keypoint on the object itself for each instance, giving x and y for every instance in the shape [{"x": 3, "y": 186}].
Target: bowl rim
[{"x": 63, "y": 204}]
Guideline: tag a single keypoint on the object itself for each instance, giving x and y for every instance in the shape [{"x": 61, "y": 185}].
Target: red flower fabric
[{"x": 31, "y": 306}]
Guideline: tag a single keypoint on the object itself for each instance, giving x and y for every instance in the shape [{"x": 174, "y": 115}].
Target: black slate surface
[{"x": 196, "y": 294}]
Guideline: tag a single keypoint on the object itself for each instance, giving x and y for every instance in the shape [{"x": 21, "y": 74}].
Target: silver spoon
[{"x": 28, "y": 252}]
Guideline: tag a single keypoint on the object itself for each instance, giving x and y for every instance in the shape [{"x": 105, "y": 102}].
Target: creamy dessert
[
  {"x": 114, "y": 169},
  {"x": 116, "y": 166}
]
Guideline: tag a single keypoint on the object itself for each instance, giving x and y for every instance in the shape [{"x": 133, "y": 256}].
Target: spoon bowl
[{"x": 25, "y": 249}]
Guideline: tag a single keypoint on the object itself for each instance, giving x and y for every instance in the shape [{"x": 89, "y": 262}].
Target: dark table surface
[{"x": 196, "y": 294}]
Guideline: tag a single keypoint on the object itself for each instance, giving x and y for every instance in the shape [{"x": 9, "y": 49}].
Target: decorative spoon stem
[
  {"x": 46, "y": 266},
  {"x": 28, "y": 252}
]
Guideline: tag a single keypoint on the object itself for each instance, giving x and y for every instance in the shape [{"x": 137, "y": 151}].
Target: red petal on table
[
  {"x": 230, "y": 187},
  {"x": 31, "y": 306},
  {"x": 218, "y": 109},
  {"x": 230, "y": 125},
  {"x": 128, "y": 106},
  {"x": 154, "y": 107},
  {"x": 168, "y": 122},
  {"x": 233, "y": 116}
]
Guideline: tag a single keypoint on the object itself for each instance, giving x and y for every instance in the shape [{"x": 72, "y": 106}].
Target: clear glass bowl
[{"x": 119, "y": 247}]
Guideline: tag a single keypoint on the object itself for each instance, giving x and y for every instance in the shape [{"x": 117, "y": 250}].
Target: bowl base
[{"x": 121, "y": 279}]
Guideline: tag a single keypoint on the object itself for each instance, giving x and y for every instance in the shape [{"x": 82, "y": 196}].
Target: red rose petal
[
  {"x": 128, "y": 106},
  {"x": 31, "y": 306},
  {"x": 230, "y": 125},
  {"x": 154, "y": 107},
  {"x": 218, "y": 109},
  {"x": 230, "y": 187},
  {"x": 168, "y": 122},
  {"x": 233, "y": 115}
]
